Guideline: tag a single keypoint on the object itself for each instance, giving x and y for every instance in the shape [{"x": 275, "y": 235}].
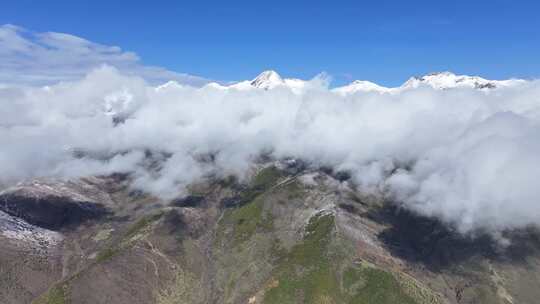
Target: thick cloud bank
[{"x": 467, "y": 156}]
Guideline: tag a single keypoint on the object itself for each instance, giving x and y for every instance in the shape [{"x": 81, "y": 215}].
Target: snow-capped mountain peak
[
  {"x": 267, "y": 80},
  {"x": 449, "y": 80}
]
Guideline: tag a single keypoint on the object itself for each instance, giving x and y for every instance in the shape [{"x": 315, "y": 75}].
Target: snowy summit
[{"x": 438, "y": 81}]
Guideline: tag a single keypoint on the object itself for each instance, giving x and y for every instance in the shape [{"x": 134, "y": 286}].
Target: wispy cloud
[{"x": 28, "y": 57}]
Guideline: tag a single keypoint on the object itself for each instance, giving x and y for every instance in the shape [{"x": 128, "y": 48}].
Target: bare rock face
[{"x": 53, "y": 205}]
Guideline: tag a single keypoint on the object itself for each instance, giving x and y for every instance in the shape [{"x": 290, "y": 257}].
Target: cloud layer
[
  {"x": 468, "y": 157},
  {"x": 28, "y": 57}
]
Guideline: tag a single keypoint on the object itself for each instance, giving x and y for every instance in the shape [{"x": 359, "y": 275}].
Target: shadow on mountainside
[
  {"x": 436, "y": 246},
  {"x": 52, "y": 212}
]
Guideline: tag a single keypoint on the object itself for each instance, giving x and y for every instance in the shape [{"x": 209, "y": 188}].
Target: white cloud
[{"x": 43, "y": 58}]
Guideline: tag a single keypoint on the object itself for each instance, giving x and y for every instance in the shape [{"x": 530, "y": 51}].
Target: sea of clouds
[{"x": 469, "y": 157}]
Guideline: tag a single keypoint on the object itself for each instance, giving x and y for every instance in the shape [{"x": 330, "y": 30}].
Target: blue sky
[{"x": 382, "y": 41}]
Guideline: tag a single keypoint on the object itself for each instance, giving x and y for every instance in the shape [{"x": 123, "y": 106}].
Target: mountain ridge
[{"x": 270, "y": 79}]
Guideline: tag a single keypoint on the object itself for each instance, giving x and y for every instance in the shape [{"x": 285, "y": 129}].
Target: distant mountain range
[{"x": 440, "y": 80}]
